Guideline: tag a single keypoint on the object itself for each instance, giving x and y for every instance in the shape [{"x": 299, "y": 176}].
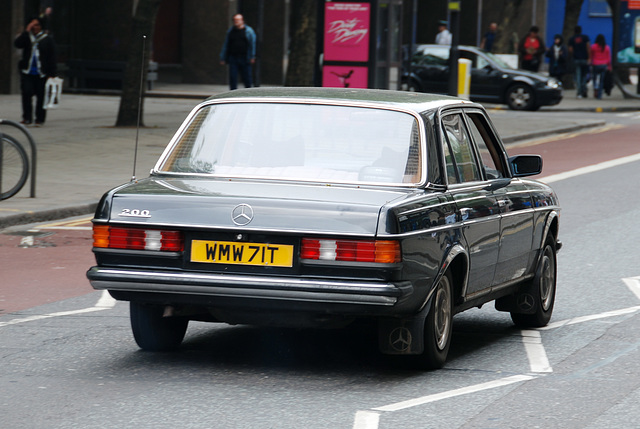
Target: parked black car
[
  {"x": 317, "y": 207},
  {"x": 492, "y": 80}
]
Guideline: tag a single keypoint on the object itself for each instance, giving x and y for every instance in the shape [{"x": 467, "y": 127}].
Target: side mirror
[{"x": 525, "y": 165}]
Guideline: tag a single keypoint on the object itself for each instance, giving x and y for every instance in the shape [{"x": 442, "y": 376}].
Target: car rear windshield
[{"x": 309, "y": 142}]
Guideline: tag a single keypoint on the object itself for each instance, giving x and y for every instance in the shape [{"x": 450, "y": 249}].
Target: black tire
[
  {"x": 14, "y": 167},
  {"x": 542, "y": 291},
  {"x": 438, "y": 325},
  {"x": 152, "y": 331},
  {"x": 521, "y": 97}
]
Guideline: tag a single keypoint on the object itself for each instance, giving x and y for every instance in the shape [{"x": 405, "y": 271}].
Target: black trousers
[{"x": 30, "y": 86}]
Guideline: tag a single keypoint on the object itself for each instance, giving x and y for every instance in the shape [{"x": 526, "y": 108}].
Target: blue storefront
[{"x": 595, "y": 18}]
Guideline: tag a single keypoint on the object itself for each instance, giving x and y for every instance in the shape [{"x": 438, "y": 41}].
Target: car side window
[
  {"x": 461, "y": 159},
  {"x": 432, "y": 57},
  {"x": 484, "y": 140},
  {"x": 477, "y": 61}
]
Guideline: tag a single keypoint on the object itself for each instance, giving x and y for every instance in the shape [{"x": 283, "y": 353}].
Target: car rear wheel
[
  {"x": 154, "y": 332},
  {"x": 541, "y": 293},
  {"x": 521, "y": 97},
  {"x": 438, "y": 325}
]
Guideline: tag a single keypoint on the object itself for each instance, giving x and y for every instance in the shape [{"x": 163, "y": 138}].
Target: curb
[
  {"x": 47, "y": 215},
  {"x": 551, "y": 131}
]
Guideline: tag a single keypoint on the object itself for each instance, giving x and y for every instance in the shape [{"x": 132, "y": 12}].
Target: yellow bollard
[{"x": 464, "y": 77}]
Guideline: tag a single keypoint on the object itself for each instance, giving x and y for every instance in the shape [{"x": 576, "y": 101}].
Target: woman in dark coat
[{"x": 557, "y": 54}]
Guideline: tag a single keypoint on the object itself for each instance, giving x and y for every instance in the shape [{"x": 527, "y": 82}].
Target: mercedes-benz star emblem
[
  {"x": 400, "y": 339},
  {"x": 526, "y": 302},
  {"x": 242, "y": 214}
]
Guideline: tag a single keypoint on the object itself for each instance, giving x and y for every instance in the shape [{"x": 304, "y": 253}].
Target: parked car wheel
[
  {"x": 521, "y": 97},
  {"x": 438, "y": 325},
  {"x": 152, "y": 331},
  {"x": 542, "y": 291}
]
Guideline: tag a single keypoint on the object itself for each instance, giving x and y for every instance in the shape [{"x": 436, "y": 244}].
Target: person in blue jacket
[{"x": 239, "y": 52}]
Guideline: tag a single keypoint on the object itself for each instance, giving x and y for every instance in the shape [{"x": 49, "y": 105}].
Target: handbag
[
  {"x": 608, "y": 82},
  {"x": 52, "y": 92}
]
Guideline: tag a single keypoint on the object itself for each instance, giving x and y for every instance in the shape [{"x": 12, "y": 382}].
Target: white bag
[{"x": 52, "y": 92}]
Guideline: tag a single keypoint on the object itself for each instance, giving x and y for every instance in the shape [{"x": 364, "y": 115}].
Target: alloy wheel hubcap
[{"x": 443, "y": 313}]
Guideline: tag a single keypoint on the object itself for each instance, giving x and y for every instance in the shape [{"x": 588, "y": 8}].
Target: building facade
[{"x": 189, "y": 34}]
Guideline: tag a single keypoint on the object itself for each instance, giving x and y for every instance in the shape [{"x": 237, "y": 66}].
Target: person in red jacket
[{"x": 531, "y": 49}]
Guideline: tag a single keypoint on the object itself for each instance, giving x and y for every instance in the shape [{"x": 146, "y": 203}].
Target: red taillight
[
  {"x": 172, "y": 241},
  {"x": 381, "y": 251},
  {"x": 112, "y": 237}
]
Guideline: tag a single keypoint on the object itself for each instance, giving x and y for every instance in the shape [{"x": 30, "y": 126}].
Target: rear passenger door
[
  {"x": 513, "y": 200},
  {"x": 477, "y": 204}
]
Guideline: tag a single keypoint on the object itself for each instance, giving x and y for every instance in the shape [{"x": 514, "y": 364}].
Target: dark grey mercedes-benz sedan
[{"x": 318, "y": 207}]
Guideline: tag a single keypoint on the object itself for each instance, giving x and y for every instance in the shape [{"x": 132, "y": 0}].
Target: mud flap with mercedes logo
[{"x": 403, "y": 336}]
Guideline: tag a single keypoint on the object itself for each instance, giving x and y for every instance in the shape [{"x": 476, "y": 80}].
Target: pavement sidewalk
[{"x": 80, "y": 154}]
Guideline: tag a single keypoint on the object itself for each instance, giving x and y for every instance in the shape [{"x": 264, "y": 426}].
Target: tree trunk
[
  {"x": 509, "y": 28},
  {"x": 303, "y": 43},
  {"x": 571, "y": 15},
  {"x": 143, "y": 23}
]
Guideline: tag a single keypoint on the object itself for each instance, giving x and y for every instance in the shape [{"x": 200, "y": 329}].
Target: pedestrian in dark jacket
[
  {"x": 557, "y": 54},
  {"x": 580, "y": 54},
  {"x": 38, "y": 63},
  {"x": 239, "y": 51}
]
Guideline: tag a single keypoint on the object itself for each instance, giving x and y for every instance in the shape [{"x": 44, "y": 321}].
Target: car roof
[{"x": 413, "y": 101}]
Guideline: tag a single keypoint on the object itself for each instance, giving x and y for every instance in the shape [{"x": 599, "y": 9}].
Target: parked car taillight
[
  {"x": 112, "y": 237},
  {"x": 381, "y": 251}
]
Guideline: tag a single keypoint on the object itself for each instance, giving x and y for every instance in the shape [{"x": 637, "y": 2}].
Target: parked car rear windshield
[{"x": 309, "y": 142}]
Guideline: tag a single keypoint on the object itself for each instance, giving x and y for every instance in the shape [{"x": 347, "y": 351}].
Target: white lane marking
[
  {"x": 538, "y": 362},
  {"x": 106, "y": 300},
  {"x": 633, "y": 283},
  {"x": 366, "y": 420},
  {"x": 453, "y": 393},
  {"x": 537, "y": 355},
  {"x": 589, "y": 318},
  {"x": 104, "y": 303},
  {"x": 590, "y": 169}
]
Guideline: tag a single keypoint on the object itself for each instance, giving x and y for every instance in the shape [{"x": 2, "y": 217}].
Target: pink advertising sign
[
  {"x": 344, "y": 77},
  {"x": 346, "y": 31}
]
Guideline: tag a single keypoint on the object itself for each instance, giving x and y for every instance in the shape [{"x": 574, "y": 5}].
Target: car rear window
[{"x": 310, "y": 142}]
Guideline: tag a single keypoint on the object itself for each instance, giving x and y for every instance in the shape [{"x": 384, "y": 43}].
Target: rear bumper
[{"x": 324, "y": 294}]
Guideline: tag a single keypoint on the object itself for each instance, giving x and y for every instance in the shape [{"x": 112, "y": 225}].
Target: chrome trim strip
[
  {"x": 517, "y": 212},
  {"x": 246, "y": 228},
  {"x": 239, "y": 286},
  {"x": 128, "y": 252}
]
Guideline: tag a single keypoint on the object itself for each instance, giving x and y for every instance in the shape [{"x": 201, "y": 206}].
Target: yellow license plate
[{"x": 229, "y": 252}]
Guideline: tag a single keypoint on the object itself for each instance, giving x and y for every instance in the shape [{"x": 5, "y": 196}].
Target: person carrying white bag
[{"x": 38, "y": 63}]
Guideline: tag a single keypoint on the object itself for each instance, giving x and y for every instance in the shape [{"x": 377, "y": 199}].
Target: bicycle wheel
[{"x": 14, "y": 167}]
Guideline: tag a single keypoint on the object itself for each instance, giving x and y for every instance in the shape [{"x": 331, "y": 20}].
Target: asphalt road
[{"x": 73, "y": 363}]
